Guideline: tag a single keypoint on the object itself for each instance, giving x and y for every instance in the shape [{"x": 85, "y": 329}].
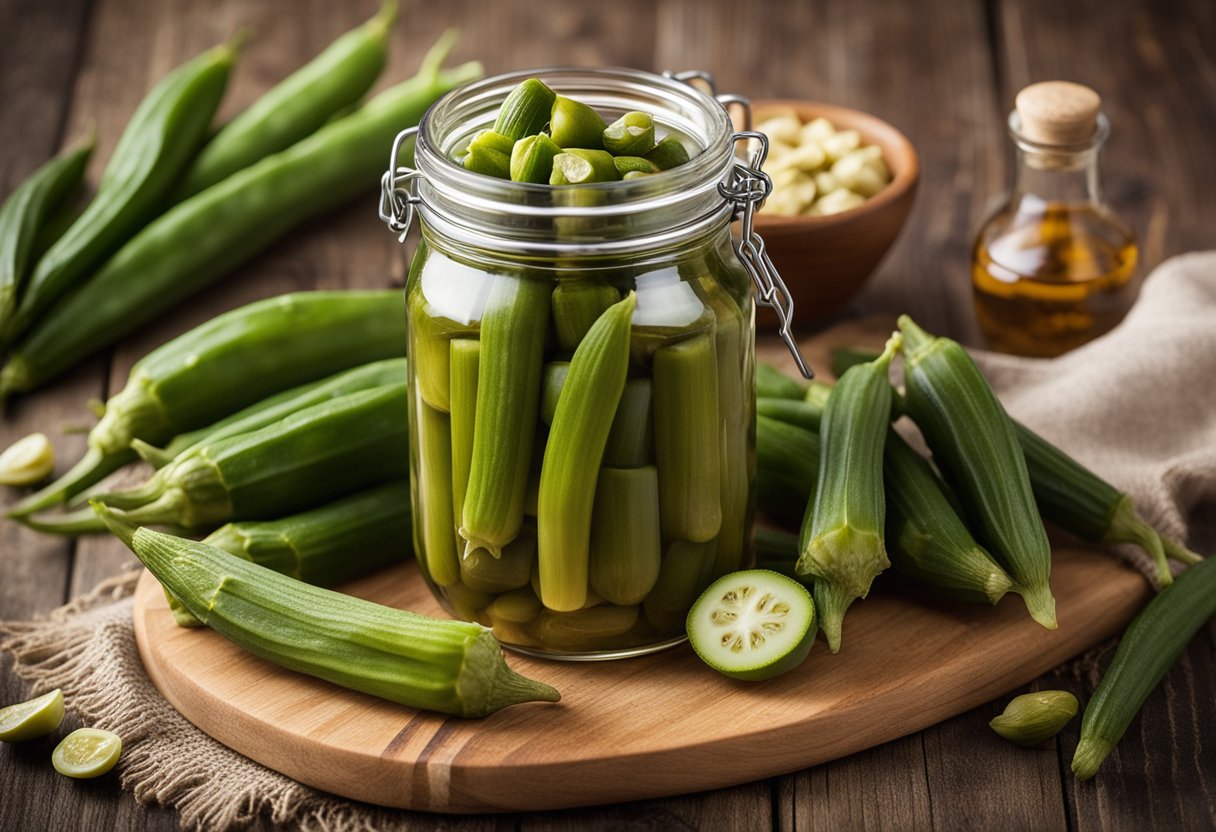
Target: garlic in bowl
[
  {"x": 816, "y": 169},
  {"x": 825, "y": 237}
]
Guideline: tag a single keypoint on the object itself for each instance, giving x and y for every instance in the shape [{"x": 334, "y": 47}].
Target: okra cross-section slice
[
  {"x": 686, "y": 438},
  {"x": 626, "y": 547},
  {"x": 573, "y": 454},
  {"x": 975, "y": 445},
  {"x": 508, "y": 396},
  {"x": 842, "y": 534}
]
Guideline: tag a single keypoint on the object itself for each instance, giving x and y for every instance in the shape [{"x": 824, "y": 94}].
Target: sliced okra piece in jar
[
  {"x": 551, "y": 388},
  {"x": 686, "y": 570},
  {"x": 630, "y": 135},
  {"x": 573, "y": 454},
  {"x": 532, "y": 159},
  {"x": 508, "y": 396},
  {"x": 626, "y": 547},
  {"x": 491, "y": 140},
  {"x": 468, "y": 603},
  {"x": 532, "y": 494},
  {"x": 488, "y": 162},
  {"x": 519, "y": 606},
  {"x": 626, "y": 165},
  {"x": 753, "y": 625},
  {"x": 631, "y": 440},
  {"x": 465, "y": 360},
  {"x": 733, "y": 350},
  {"x": 579, "y": 166},
  {"x": 526, "y": 110},
  {"x": 686, "y": 423},
  {"x": 583, "y": 630},
  {"x": 668, "y": 153},
  {"x": 513, "y": 570},
  {"x": 577, "y": 304},
  {"x": 576, "y": 125},
  {"x": 434, "y": 497},
  {"x": 430, "y": 350}
]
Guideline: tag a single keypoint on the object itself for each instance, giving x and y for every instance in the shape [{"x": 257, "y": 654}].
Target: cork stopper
[{"x": 1058, "y": 113}]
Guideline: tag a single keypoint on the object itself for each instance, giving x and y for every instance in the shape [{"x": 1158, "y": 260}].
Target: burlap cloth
[{"x": 1138, "y": 406}]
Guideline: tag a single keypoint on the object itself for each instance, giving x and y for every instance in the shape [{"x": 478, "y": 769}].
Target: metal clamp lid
[{"x": 749, "y": 186}]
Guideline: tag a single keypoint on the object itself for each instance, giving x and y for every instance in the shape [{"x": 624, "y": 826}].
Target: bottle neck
[{"x": 1054, "y": 174}]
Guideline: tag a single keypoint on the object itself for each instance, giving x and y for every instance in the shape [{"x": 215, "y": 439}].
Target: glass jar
[{"x": 605, "y": 559}]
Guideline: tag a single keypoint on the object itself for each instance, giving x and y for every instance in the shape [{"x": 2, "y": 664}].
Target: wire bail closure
[
  {"x": 398, "y": 194},
  {"x": 747, "y": 190},
  {"x": 749, "y": 186}
]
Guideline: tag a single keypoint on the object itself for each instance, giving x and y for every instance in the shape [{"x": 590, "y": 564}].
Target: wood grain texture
[{"x": 627, "y": 730}]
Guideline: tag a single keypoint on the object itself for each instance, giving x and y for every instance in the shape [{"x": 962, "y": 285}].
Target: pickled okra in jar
[{"x": 581, "y": 378}]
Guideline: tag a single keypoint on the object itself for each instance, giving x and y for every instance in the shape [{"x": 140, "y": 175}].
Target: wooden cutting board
[{"x": 639, "y": 728}]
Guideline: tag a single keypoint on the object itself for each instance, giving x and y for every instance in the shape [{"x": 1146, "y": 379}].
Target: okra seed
[{"x": 756, "y": 639}]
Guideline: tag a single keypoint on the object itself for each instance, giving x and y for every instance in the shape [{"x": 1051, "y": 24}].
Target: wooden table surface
[{"x": 943, "y": 71}]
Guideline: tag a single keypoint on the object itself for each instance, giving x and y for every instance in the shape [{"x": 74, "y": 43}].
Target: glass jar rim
[{"x": 520, "y": 217}]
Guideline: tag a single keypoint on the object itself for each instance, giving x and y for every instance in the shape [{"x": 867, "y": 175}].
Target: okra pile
[
  {"x": 582, "y": 444},
  {"x": 541, "y": 137}
]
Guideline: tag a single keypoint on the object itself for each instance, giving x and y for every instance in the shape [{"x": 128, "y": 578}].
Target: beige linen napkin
[{"x": 1139, "y": 406}]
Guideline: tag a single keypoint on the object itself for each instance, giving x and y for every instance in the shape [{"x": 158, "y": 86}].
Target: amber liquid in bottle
[{"x": 1051, "y": 276}]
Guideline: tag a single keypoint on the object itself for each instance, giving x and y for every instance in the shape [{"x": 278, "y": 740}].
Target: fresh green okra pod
[
  {"x": 228, "y": 363},
  {"x": 508, "y": 396},
  {"x": 1147, "y": 650},
  {"x": 300, "y": 104},
  {"x": 276, "y": 407},
  {"x": 203, "y": 238},
  {"x": 311, "y": 457},
  {"x": 787, "y": 468},
  {"x": 842, "y": 533},
  {"x": 771, "y": 383},
  {"x": 28, "y": 212},
  {"x": 975, "y": 444},
  {"x": 159, "y": 142},
  {"x": 926, "y": 539},
  {"x": 573, "y": 454},
  {"x": 325, "y": 546},
  {"x": 452, "y": 667}
]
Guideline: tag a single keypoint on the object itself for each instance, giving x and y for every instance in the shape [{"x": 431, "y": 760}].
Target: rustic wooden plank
[
  {"x": 743, "y": 807},
  {"x": 993, "y": 785},
  {"x": 883, "y": 788}
]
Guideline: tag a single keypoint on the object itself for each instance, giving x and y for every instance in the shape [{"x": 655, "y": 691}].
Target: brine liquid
[{"x": 1051, "y": 277}]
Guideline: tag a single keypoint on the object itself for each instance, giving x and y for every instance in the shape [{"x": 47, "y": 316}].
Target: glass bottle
[
  {"x": 502, "y": 275},
  {"x": 1054, "y": 267}
]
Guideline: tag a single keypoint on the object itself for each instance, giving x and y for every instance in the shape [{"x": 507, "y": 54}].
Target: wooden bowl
[{"x": 826, "y": 260}]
